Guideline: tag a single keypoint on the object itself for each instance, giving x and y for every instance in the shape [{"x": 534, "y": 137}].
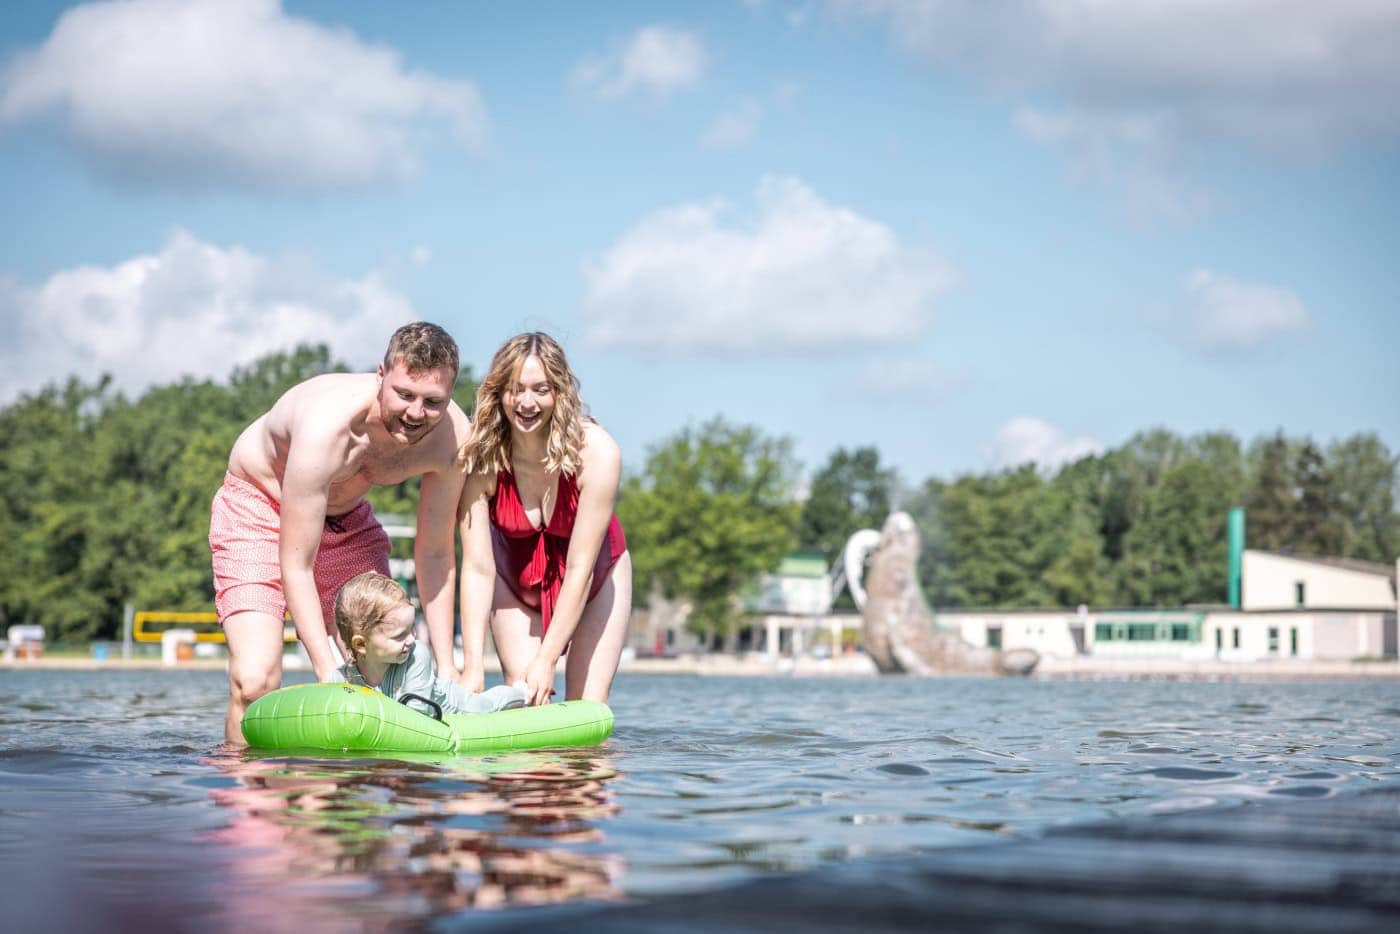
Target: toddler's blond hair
[{"x": 366, "y": 601}]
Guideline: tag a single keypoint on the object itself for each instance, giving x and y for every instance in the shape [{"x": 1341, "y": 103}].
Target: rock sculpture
[{"x": 900, "y": 631}]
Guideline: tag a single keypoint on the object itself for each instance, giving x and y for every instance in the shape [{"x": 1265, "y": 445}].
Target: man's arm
[
  {"x": 435, "y": 562},
  {"x": 313, "y": 457}
]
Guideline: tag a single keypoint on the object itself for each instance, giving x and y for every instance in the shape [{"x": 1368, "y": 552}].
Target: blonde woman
[{"x": 545, "y": 559}]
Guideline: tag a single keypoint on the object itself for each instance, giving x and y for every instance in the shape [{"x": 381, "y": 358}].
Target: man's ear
[
  {"x": 379, "y": 371},
  {"x": 358, "y": 645}
]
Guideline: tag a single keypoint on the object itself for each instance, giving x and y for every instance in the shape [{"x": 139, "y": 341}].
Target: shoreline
[{"x": 855, "y": 665}]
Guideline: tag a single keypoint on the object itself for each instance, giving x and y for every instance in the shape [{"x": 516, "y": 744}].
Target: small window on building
[
  {"x": 993, "y": 637},
  {"x": 1142, "y": 632},
  {"x": 1293, "y": 641},
  {"x": 1219, "y": 639},
  {"x": 1300, "y": 597},
  {"x": 1181, "y": 632},
  {"x": 1235, "y": 637},
  {"x": 1103, "y": 632},
  {"x": 1273, "y": 639}
]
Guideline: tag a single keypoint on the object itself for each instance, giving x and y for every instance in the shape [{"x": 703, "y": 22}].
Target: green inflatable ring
[{"x": 350, "y": 718}]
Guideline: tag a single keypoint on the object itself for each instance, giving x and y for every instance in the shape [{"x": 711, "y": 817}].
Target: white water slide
[{"x": 851, "y": 570}]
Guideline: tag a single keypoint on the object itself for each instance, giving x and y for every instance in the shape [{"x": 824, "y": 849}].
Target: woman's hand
[{"x": 539, "y": 680}]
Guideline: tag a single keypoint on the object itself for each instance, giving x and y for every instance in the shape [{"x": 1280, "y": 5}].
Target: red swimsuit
[{"x": 534, "y": 568}]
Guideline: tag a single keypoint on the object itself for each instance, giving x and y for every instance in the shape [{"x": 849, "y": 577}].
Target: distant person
[
  {"x": 290, "y": 524},
  {"x": 544, "y": 557},
  {"x": 375, "y": 619}
]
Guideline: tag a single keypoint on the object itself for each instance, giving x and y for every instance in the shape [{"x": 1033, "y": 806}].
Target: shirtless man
[{"x": 290, "y": 525}]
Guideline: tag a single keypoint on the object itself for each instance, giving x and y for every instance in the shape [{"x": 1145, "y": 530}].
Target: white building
[{"x": 1284, "y": 582}]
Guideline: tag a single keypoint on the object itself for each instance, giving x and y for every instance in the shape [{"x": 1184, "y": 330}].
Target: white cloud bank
[
  {"x": 1138, "y": 83},
  {"x": 1026, "y": 440},
  {"x": 233, "y": 93},
  {"x": 1226, "y": 314},
  {"x": 655, "y": 62},
  {"x": 1275, "y": 69},
  {"x": 800, "y": 275},
  {"x": 191, "y": 309}
]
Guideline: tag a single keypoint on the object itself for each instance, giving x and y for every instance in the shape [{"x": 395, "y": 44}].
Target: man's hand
[{"x": 327, "y": 671}]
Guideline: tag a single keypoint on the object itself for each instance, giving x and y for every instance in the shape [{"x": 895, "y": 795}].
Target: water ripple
[{"x": 701, "y": 784}]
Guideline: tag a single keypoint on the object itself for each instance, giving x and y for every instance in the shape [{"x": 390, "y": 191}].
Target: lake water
[{"x": 119, "y": 807}]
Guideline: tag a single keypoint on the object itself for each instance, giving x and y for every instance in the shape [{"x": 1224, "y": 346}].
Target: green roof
[{"x": 802, "y": 564}]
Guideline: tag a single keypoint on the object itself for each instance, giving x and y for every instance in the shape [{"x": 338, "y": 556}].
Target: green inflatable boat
[{"x": 349, "y": 718}]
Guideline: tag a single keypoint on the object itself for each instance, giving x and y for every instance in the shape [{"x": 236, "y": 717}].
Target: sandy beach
[{"x": 856, "y": 664}]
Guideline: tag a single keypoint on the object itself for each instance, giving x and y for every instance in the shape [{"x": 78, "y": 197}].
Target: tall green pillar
[{"x": 1236, "y": 541}]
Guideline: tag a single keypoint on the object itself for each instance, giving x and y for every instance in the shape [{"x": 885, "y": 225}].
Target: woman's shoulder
[
  {"x": 598, "y": 447},
  {"x": 599, "y": 456},
  {"x": 481, "y": 482},
  {"x": 597, "y": 440}
]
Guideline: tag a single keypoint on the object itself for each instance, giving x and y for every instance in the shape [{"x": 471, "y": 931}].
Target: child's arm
[{"x": 420, "y": 678}]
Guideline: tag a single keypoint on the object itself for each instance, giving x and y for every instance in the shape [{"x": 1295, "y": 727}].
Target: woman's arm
[
  {"x": 597, "y": 495},
  {"x": 478, "y": 575}
]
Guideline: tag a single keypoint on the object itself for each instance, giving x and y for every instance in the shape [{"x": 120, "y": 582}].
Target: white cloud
[
  {"x": 656, "y": 62},
  {"x": 191, "y": 309},
  {"x": 1025, "y": 440},
  {"x": 801, "y": 275},
  {"x": 1135, "y": 155},
  {"x": 1227, "y": 314},
  {"x": 1284, "y": 75},
  {"x": 735, "y": 128},
  {"x": 232, "y": 92}
]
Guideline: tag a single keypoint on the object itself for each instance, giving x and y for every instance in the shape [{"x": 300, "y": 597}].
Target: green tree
[
  {"x": 1270, "y": 496},
  {"x": 1010, "y": 539},
  {"x": 1365, "y": 474},
  {"x": 851, "y": 492},
  {"x": 1175, "y": 552},
  {"x": 711, "y": 509},
  {"x": 1317, "y": 521},
  {"x": 105, "y": 500}
]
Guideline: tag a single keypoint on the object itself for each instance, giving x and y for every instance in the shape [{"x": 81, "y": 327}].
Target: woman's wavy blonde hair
[{"x": 489, "y": 445}]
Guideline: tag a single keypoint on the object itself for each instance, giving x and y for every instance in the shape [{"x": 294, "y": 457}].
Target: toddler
[{"x": 375, "y": 619}]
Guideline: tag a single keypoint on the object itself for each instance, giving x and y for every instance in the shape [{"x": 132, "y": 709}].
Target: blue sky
[{"x": 969, "y": 234}]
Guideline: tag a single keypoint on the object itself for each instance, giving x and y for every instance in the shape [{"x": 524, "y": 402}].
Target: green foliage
[
  {"x": 1364, "y": 475},
  {"x": 1144, "y": 525},
  {"x": 850, "y": 493},
  {"x": 1175, "y": 553},
  {"x": 711, "y": 509},
  {"x": 105, "y": 501},
  {"x": 1007, "y": 539}
]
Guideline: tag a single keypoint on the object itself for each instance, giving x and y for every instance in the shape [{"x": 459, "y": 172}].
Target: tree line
[{"x": 104, "y": 501}]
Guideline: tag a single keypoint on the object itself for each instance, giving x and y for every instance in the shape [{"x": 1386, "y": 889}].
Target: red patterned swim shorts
[{"x": 244, "y": 532}]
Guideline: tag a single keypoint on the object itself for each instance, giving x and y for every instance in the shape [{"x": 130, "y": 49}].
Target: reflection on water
[{"x": 401, "y": 840}]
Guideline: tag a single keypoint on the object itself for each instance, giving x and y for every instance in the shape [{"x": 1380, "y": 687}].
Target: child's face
[{"x": 391, "y": 641}]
